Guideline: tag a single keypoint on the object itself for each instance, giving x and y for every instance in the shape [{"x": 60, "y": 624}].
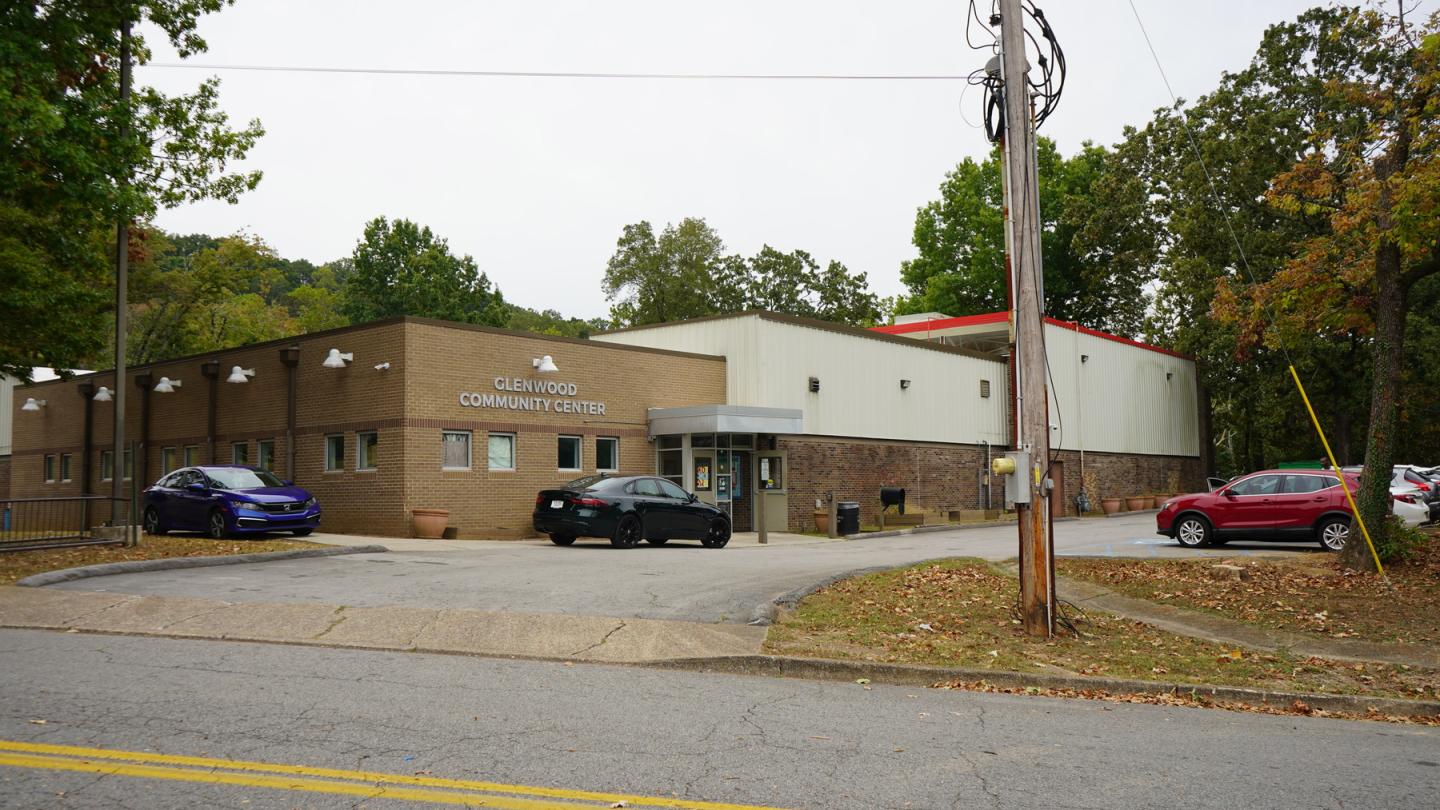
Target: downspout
[
  {"x": 87, "y": 390},
  {"x": 290, "y": 356},
  {"x": 211, "y": 370},
  {"x": 142, "y": 464}
]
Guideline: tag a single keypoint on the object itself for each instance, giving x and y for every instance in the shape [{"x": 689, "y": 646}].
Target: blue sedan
[{"x": 223, "y": 500}]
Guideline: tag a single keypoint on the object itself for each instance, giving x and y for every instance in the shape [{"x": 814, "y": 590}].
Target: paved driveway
[{"x": 677, "y": 581}]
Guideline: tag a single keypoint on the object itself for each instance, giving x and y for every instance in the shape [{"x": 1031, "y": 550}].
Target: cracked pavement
[{"x": 785, "y": 743}]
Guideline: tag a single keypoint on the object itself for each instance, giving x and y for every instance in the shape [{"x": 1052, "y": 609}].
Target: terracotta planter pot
[
  {"x": 1149, "y": 502},
  {"x": 1110, "y": 505},
  {"x": 1134, "y": 504},
  {"x": 822, "y": 521},
  {"x": 429, "y": 524}
]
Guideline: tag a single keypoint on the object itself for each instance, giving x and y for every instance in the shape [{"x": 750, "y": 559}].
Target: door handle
[{"x": 1318, "y": 499}]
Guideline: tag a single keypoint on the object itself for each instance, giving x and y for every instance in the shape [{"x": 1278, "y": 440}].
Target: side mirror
[
  {"x": 289, "y": 483},
  {"x": 692, "y": 498},
  {"x": 198, "y": 488},
  {"x": 1229, "y": 494}
]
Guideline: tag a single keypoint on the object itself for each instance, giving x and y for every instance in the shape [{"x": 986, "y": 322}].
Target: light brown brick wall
[{"x": 444, "y": 362}]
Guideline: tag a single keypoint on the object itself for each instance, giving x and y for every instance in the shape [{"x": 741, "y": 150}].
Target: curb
[
  {"x": 764, "y": 613},
  {"x": 135, "y": 566},
  {"x": 918, "y": 675},
  {"x": 943, "y": 527}
]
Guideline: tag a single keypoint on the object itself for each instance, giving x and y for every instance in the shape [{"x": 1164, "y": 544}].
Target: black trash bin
[{"x": 847, "y": 517}]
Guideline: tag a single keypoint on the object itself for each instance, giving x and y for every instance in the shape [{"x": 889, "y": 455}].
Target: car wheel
[
  {"x": 302, "y": 532},
  {"x": 627, "y": 533},
  {"x": 152, "y": 522},
  {"x": 657, "y": 541},
  {"x": 719, "y": 534},
  {"x": 1332, "y": 533},
  {"x": 1192, "y": 532},
  {"x": 215, "y": 527},
  {"x": 562, "y": 539}
]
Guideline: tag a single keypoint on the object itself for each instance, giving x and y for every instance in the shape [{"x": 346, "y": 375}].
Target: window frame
[
  {"x": 469, "y": 449},
  {"x": 66, "y": 465},
  {"x": 190, "y": 455},
  {"x": 334, "y": 462},
  {"x": 107, "y": 465},
  {"x": 514, "y": 451},
  {"x": 167, "y": 461},
  {"x": 48, "y": 467},
  {"x": 236, "y": 449},
  {"x": 362, "y": 461},
  {"x": 614, "y": 442},
  {"x": 579, "y": 452},
  {"x": 127, "y": 464},
  {"x": 260, "y": 447}
]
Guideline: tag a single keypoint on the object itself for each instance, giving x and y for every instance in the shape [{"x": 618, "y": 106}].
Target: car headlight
[
  {"x": 241, "y": 505},
  {"x": 310, "y": 503}
]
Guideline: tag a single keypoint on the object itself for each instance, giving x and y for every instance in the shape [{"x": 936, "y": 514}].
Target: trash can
[{"x": 847, "y": 517}]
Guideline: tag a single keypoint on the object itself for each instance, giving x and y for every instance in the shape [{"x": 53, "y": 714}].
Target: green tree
[
  {"x": 551, "y": 322},
  {"x": 960, "y": 242},
  {"x": 74, "y": 161},
  {"x": 401, "y": 268}
]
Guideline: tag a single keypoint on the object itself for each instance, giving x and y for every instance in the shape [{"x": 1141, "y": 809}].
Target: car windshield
[
  {"x": 241, "y": 478},
  {"x": 585, "y": 482}
]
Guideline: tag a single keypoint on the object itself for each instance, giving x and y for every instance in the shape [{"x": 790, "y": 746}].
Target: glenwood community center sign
[{"x": 559, "y": 399}]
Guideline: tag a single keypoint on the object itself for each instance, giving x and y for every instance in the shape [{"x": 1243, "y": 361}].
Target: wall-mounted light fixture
[
  {"x": 166, "y": 386},
  {"x": 240, "y": 375},
  {"x": 544, "y": 365},
  {"x": 32, "y": 404},
  {"x": 337, "y": 359},
  {"x": 904, "y": 384},
  {"x": 385, "y": 366},
  {"x": 1169, "y": 374},
  {"x": 1084, "y": 358},
  {"x": 103, "y": 394}
]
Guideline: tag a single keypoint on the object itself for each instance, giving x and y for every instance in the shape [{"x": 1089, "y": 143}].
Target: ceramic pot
[
  {"x": 1110, "y": 505},
  {"x": 1135, "y": 504},
  {"x": 429, "y": 524}
]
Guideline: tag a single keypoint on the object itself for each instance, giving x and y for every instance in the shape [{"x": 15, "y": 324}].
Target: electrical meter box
[{"x": 1017, "y": 484}]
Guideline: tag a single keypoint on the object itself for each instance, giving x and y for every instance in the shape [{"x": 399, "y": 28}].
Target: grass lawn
[
  {"x": 19, "y": 564},
  {"x": 1307, "y": 595},
  {"x": 960, "y": 613}
]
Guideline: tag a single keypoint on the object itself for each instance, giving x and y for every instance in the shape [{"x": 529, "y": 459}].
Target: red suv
[{"x": 1267, "y": 505}]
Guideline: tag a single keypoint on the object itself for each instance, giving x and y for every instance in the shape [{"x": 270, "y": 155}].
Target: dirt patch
[
  {"x": 16, "y": 565},
  {"x": 961, "y": 613},
  {"x": 1313, "y": 596}
]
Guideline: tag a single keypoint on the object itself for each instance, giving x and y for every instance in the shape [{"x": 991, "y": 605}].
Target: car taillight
[
  {"x": 539, "y": 499},
  {"x": 1405, "y": 498},
  {"x": 593, "y": 503}
]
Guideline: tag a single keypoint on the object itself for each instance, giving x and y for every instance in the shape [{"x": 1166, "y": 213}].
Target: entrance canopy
[{"x": 724, "y": 419}]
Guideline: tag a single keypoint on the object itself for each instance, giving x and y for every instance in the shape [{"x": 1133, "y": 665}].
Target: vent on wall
[
  {"x": 985, "y": 389},
  {"x": 814, "y": 385}
]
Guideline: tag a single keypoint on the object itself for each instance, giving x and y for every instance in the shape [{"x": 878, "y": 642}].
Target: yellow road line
[{"x": 371, "y": 777}]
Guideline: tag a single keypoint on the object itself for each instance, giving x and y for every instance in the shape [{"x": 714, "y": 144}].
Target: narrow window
[
  {"x": 569, "y": 453},
  {"x": 265, "y": 454},
  {"x": 192, "y": 455},
  {"x": 240, "y": 453},
  {"x": 107, "y": 465},
  {"x": 167, "y": 460},
  {"x": 129, "y": 461},
  {"x": 367, "y": 450},
  {"x": 455, "y": 450},
  {"x": 607, "y": 454},
  {"x": 49, "y": 469},
  {"x": 64, "y": 467},
  {"x": 502, "y": 451},
  {"x": 334, "y": 453}
]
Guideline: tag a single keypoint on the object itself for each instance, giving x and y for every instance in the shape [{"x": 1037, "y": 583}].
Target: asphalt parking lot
[{"x": 678, "y": 581}]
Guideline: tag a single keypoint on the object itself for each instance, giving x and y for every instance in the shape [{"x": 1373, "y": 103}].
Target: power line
[{"x": 562, "y": 74}]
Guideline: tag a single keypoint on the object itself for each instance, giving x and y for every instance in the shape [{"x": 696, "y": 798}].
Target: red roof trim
[
  {"x": 1002, "y": 317},
  {"x": 943, "y": 323}
]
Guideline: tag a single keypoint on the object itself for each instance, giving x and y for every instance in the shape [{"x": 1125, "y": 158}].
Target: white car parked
[{"x": 1408, "y": 504}]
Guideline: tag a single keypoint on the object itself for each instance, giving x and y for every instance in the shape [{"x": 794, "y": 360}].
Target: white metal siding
[{"x": 7, "y": 412}]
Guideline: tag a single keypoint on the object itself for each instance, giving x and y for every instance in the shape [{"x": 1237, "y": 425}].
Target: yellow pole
[{"x": 1338, "y": 473}]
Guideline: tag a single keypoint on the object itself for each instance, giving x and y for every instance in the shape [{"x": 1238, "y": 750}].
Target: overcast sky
[{"x": 536, "y": 177}]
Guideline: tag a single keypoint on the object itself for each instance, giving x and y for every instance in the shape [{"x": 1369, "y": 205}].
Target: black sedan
[{"x": 627, "y": 509}]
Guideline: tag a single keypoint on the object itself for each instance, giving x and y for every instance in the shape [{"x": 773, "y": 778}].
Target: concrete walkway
[
  {"x": 1228, "y": 631},
  {"x": 408, "y": 629},
  {"x": 737, "y": 540}
]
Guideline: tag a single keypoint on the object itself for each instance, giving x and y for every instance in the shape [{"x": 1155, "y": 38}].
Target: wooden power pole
[
  {"x": 1032, "y": 423},
  {"x": 118, "y": 488}
]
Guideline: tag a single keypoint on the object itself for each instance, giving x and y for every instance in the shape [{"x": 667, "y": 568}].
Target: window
[
  {"x": 334, "y": 453},
  {"x": 668, "y": 442},
  {"x": 265, "y": 454},
  {"x": 240, "y": 453},
  {"x": 772, "y": 472},
  {"x": 367, "y": 450},
  {"x": 455, "y": 450},
  {"x": 669, "y": 490},
  {"x": 64, "y": 466},
  {"x": 569, "y": 453},
  {"x": 502, "y": 451},
  {"x": 107, "y": 465},
  {"x": 192, "y": 455},
  {"x": 49, "y": 469},
  {"x": 1301, "y": 484},
  {"x": 129, "y": 460},
  {"x": 607, "y": 454},
  {"x": 1259, "y": 485},
  {"x": 167, "y": 460},
  {"x": 672, "y": 465},
  {"x": 647, "y": 487}
]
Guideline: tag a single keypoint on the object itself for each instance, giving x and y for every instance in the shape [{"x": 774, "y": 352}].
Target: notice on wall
[
  {"x": 702, "y": 476},
  {"x": 543, "y": 396}
]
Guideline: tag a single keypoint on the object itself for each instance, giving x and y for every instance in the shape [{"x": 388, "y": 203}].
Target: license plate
[{"x": 557, "y": 504}]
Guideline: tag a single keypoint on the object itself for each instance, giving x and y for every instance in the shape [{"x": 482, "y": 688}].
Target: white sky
[{"x": 536, "y": 177}]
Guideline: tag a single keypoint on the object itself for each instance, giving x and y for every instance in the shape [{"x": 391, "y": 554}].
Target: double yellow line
[{"x": 303, "y": 778}]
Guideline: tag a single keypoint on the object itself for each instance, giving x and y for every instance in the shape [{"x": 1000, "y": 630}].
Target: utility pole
[
  {"x": 122, "y": 262},
  {"x": 1032, "y": 423}
]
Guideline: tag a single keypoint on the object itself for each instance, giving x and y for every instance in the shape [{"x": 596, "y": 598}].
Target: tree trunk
[{"x": 1374, "y": 496}]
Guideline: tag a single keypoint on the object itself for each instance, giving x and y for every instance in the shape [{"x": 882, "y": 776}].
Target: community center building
[{"x": 379, "y": 419}]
